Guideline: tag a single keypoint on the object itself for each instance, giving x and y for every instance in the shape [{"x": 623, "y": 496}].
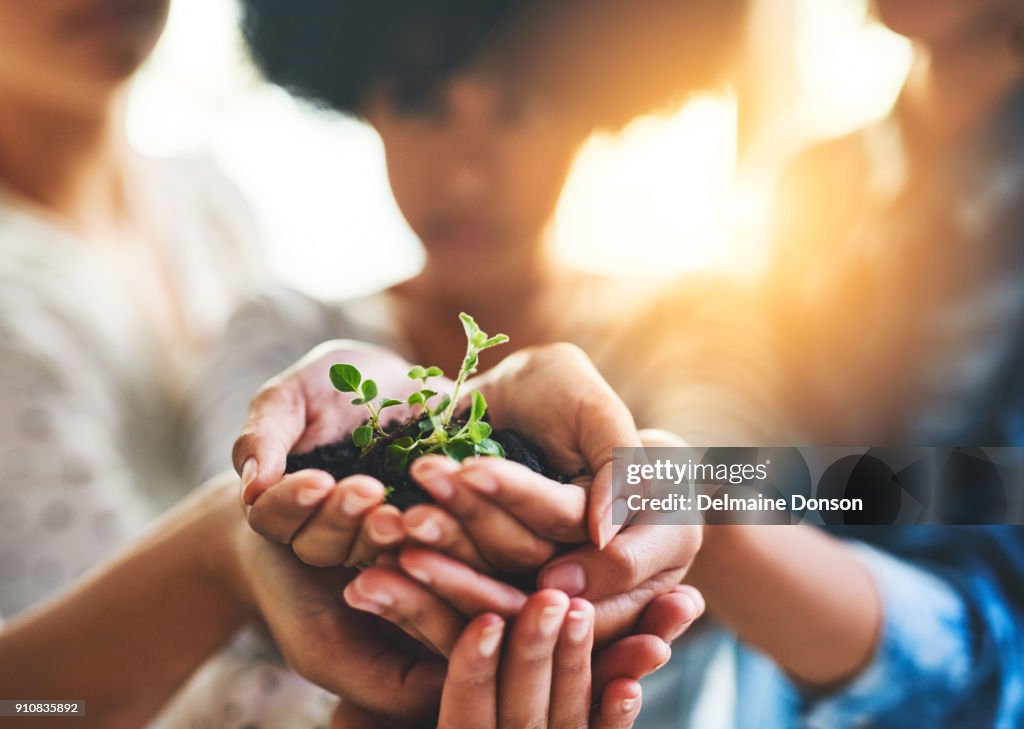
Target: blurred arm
[{"x": 131, "y": 633}]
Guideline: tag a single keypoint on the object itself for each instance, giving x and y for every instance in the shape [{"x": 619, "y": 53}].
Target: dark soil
[{"x": 342, "y": 459}]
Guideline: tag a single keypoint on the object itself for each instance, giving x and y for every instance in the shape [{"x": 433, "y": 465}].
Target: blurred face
[
  {"x": 76, "y": 51},
  {"x": 476, "y": 171},
  {"x": 935, "y": 21}
]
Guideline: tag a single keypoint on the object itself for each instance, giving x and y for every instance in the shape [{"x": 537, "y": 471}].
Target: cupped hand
[
  {"x": 533, "y": 672},
  {"x": 326, "y": 523},
  {"x": 553, "y": 395},
  {"x": 358, "y": 656}
]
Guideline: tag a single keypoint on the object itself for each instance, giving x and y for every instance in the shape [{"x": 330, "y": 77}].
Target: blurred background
[{"x": 684, "y": 190}]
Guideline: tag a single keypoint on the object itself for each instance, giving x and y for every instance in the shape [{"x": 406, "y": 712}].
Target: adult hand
[
  {"x": 552, "y": 394},
  {"x": 326, "y": 523},
  {"x": 357, "y": 656},
  {"x": 540, "y": 677}
]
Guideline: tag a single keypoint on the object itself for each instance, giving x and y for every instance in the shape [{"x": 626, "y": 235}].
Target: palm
[{"x": 322, "y": 638}]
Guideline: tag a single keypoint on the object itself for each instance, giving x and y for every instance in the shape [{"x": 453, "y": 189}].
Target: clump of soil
[{"x": 342, "y": 459}]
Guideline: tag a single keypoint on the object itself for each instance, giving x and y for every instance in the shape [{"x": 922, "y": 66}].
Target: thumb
[{"x": 274, "y": 424}]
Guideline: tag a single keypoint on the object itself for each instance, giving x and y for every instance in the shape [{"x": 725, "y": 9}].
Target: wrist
[{"x": 219, "y": 535}]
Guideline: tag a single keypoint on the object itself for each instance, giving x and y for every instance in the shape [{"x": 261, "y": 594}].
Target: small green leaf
[
  {"x": 434, "y": 371},
  {"x": 471, "y": 362},
  {"x": 345, "y": 377},
  {"x": 494, "y": 341},
  {"x": 488, "y": 447},
  {"x": 458, "y": 449},
  {"x": 404, "y": 443},
  {"x": 469, "y": 325},
  {"x": 359, "y": 401},
  {"x": 478, "y": 408},
  {"x": 426, "y": 426},
  {"x": 417, "y": 373},
  {"x": 362, "y": 436},
  {"x": 369, "y": 390},
  {"x": 479, "y": 431},
  {"x": 415, "y": 399},
  {"x": 395, "y": 458},
  {"x": 427, "y": 394},
  {"x": 389, "y": 403}
]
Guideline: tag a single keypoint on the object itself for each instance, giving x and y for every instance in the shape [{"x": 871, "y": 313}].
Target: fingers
[
  {"x": 275, "y": 422},
  {"x": 669, "y": 616},
  {"x": 407, "y": 604},
  {"x": 620, "y": 705},
  {"x": 435, "y": 528},
  {"x": 506, "y": 544},
  {"x": 465, "y": 589},
  {"x": 327, "y": 537},
  {"x": 286, "y": 506},
  {"x": 526, "y": 670},
  {"x": 328, "y": 524},
  {"x": 635, "y": 555},
  {"x": 381, "y": 531},
  {"x": 571, "y": 687},
  {"x": 550, "y": 509},
  {"x": 469, "y": 698},
  {"x": 634, "y": 656}
]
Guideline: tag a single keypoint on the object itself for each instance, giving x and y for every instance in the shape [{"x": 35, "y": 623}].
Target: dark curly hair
[{"x": 617, "y": 58}]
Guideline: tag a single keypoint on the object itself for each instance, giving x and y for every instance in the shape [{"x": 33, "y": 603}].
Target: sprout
[{"x": 436, "y": 431}]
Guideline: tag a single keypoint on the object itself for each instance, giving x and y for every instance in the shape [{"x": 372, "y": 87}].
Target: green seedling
[{"x": 437, "y": 430}]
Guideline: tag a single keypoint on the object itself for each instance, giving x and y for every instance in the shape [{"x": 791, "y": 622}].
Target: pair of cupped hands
[{"x": 423, "y": 633}]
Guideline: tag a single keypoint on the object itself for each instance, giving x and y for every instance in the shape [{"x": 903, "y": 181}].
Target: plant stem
[{"x": 463, "y": 372}]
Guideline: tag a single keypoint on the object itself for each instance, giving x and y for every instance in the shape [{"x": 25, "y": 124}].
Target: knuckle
[
  {"x": 624, "y": 560},
  {"x": 573, "y": 665},
  {"x": 244, "y": 444},
  {"x": 273, "y": 532},
  {"x": 314, "y": 554}
]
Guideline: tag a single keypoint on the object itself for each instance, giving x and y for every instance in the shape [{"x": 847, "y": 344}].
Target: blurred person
[
  {"x": 116, "y": 272},
  {"x": 897, "y": 300},
  {"x": 901, "y": 626},
  {"x": 480, "y": 126}
]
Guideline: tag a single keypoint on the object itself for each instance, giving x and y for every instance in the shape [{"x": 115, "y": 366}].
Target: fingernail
[
  {"x": 579, "y": 625},
  {"x": 354, "y": 503},
  {"x": 606, "y": 531},
  {"x": 418, "y": 574},
  {"x": 550, "y": 620},
  {"x": 568, "y": 577},
  {"x": 480, "y": 481},
  {"x": 604, "y": 527},
  {"x": 490, "y": 637},
  {"x": 426, "y": 531},
  {"x": 357, "y": 600},
  {"x": 386, "y": 532},
  {"x": 250, "y": 469},
  {"x": 435, "y": 476},
  {"x": 311, "y": 495},
  {"x": 628, "y": 704},
  {"x": 696, "y": 603},
  {"x": 668, "y": 657}
]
